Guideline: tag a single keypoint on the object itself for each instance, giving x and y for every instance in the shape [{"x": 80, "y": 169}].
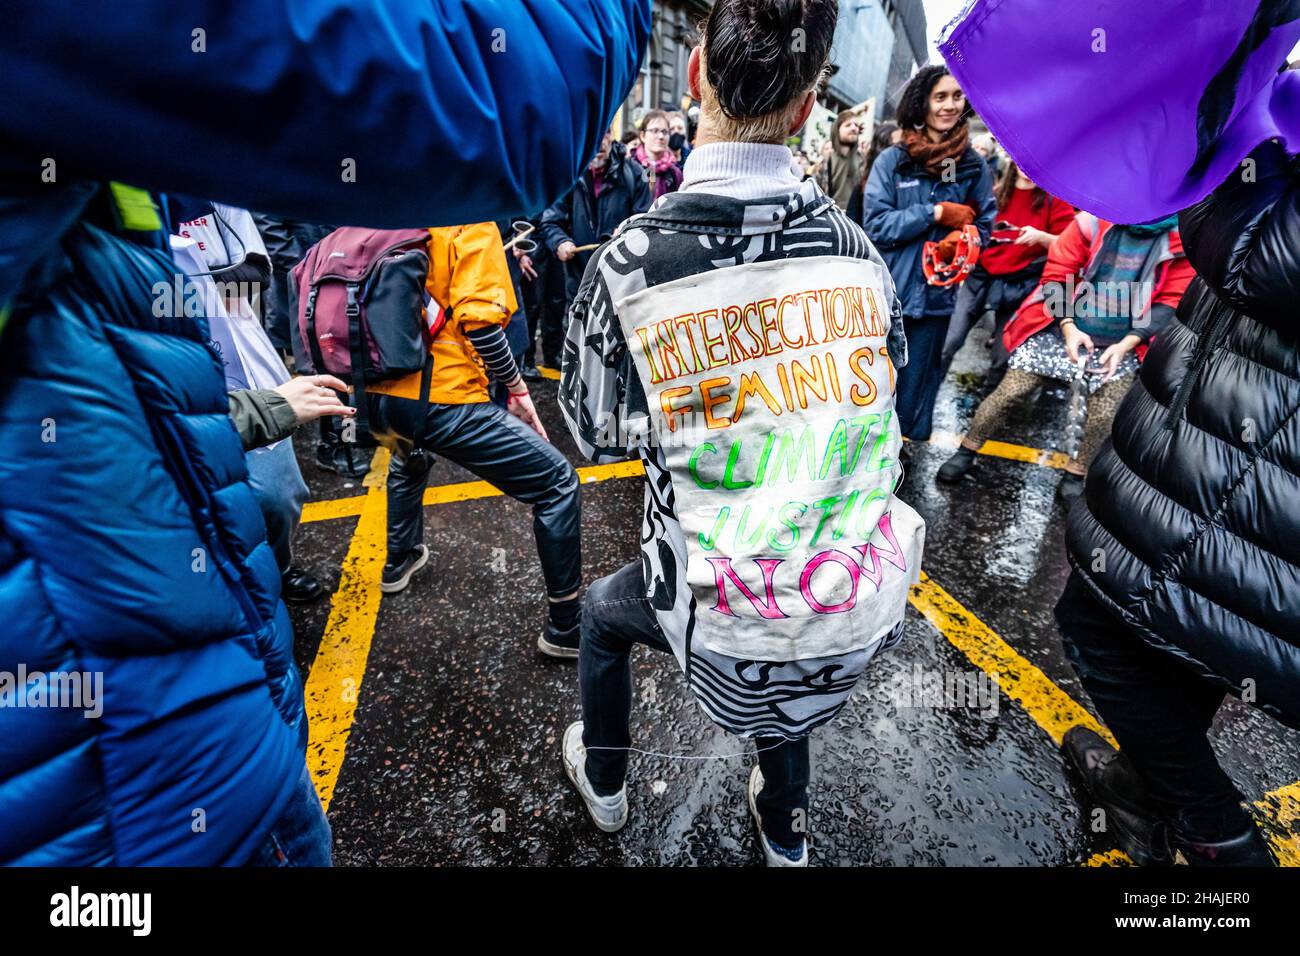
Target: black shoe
[
  {"x": 1131, "y": 816},
  {"x": 531, "y": 374},
  {"x": 956, "y": 467},
  {"x": 300, "y": 587},
  {"x": 397, "y": 575},
  {"x": 556, "y": 643},
  {"x": 905, "y": 453},
  {"x": 342, "y": 460},
  {"x": 1246, "y": 849},
  {"x": 1069, "y": 490}
]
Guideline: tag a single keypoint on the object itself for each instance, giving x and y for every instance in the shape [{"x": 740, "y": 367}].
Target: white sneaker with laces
[
  {"x": 771, "y": 854},
  {"x": 608, "y": 813}
]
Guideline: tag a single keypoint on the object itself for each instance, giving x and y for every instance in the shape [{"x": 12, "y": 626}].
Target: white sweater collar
[{"x": 742, "y": 171}]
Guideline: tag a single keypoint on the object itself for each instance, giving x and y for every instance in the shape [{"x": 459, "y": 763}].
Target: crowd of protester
[{"x": 515, "y": 296}]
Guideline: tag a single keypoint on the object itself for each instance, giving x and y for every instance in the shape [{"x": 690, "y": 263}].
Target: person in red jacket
[
  {"x": 1029, "y": 220},
  {"x": 1105, "y": 292}
]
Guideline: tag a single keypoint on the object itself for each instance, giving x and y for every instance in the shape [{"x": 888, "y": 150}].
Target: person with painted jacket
[
  {"x": 507, "y": 447},
  {"x": 741, "y": 339},
  {"x": 130, "y": 541},
  {"x": 930, "y": 184}
]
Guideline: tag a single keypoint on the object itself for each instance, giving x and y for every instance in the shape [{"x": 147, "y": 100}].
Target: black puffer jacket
[{"x": 1190, "y": 527}]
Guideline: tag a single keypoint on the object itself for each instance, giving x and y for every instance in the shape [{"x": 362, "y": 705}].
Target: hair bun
[{"x": 762, "y": 54}]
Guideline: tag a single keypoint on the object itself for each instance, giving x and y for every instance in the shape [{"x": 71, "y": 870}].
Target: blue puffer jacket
[
  {"x": 898, "y": 216},
  {"x": 130, "y": 543}
]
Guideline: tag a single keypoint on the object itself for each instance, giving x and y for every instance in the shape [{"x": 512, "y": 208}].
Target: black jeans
[
  {"x": 500, "y": 449},
  {"x": 616, "y": 615},
  {"x": 544, "y": 304},
  {"x": 1159, "y": 711}
]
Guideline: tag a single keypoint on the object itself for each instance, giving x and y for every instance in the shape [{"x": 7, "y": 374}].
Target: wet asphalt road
[{"x": 453, "y": 756}]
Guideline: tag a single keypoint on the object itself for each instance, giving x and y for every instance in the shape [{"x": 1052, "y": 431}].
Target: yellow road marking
[
  {"x": 1109, "y": 858},
  {"x": 1279, "y": 814},
  {"x": 552, "y": 373},
  {"x": 350, "y": 507},
  {"x": 460, "y": 491},
  {"x": 336, "y": 674},
  {"x": 1001, "y": 449},
  {"x": 334, "y": 683},
  {"x": 1051, "y": 708}
]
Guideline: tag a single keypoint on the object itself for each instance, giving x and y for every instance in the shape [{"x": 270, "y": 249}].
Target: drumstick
[{"x": 523, "y": 233}]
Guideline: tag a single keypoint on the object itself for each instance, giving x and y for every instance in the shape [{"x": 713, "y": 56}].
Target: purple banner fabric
[{"x": 1130, "y": 110}]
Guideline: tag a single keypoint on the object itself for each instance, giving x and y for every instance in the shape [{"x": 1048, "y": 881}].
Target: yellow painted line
[
  {"x": 1001, "y": 449},
  {"x": 334, "y": 508},
  {"x": 334, "y": 683},
  {"x": 1051, "y": 708},
  {"x": 552, "y": 373},
  {"x": 1109, "y": 858},
  {"x": 461, "y": 491},
  {"x": 1279, "y": 814},
  {"x": 469, "y": 490}
]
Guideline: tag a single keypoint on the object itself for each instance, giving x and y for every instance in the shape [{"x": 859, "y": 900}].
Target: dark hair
[
  {"x": 880, "y": 141},
  {"x": 1007, "y": 188},
  {"x": 914, "y": 104},
  {"x": 756, "y": 62}
]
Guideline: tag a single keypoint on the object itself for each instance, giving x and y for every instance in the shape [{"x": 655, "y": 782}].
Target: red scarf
[{"x": 932, "y": 155}]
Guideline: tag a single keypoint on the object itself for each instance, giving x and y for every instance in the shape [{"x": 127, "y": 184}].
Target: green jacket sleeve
[{"x": 261, "y": 416}]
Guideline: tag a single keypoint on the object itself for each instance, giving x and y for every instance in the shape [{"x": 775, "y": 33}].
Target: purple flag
[{"x": 1130, "y": 109}]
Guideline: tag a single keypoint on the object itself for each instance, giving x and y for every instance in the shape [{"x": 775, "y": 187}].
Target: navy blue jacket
[
  {"x": 131, "y": 546},
  {"x": 583, "y": 219},
  {"x": 898, "y": 216}
]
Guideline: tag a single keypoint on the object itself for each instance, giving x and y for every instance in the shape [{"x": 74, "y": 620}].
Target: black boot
[
  {"x": 1069, "y": 490},
  {"x": 300, "y": 587},
  {"x": 1131, "y": 816},
  {"x": 342, "y": 458},
  {"x": 1247, "y": 848},
  {"x": 956, "y": 467}
]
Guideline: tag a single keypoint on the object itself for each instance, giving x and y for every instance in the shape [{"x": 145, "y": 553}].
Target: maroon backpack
[{"x": 362, "y": 310}]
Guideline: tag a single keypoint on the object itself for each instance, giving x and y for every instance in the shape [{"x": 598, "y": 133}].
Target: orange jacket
[{"x": 468, "y": 275}]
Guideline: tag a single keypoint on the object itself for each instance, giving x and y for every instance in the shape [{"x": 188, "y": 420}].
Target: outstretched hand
[{"x": 315, "y": 396}]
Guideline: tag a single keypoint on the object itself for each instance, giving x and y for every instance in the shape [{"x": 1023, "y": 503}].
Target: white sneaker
[
  {"x": 608, "y": 813},
  {"x": 771, "y": 854}
]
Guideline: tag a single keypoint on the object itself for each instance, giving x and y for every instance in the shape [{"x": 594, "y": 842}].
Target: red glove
[
  {"x": 954, "y": 215},
  {"x": 948, "y": 247}
]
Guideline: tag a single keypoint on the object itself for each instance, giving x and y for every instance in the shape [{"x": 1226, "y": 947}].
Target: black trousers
[
  {"x": 545, "y": 306},
  {"x": 497, "y": 447},
  {"x": 616, "y": 616},
  {"x": 1160, "y": 712}
]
